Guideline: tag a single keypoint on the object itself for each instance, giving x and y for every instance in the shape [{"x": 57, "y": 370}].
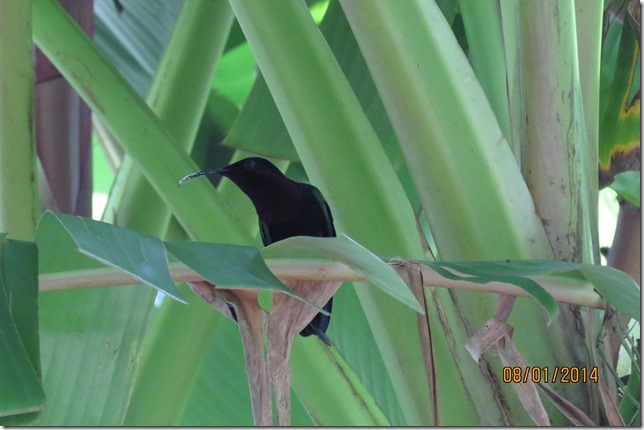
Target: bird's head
[{"x": 259, "y": 179}]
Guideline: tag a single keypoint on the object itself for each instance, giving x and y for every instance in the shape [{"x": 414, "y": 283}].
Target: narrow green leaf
[
  {"x": 106, "y": 325},
  {"x": 351, "y": 403},
  {"x": 138, "y": 254},
  {"x": 131, "y": 122},
  {"x": 345, "y": 250},
  {"x": 497, "y": 272},
  {"x": 627, "y": 184},
  {"x": 21, "y": 390},
  {"x": 617, "y": 288},
  {"x": 18, "y": 195}
]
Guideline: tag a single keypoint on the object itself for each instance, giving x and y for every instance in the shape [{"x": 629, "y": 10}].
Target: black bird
[{"x": 285, "y": 209}]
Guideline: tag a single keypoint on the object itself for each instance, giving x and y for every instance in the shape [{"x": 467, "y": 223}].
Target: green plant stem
[
  {"x": 483, "y": 27},
  {"x": 18, "y": 183},
  {"x": 556, "y": 150},
  {"x": 438, "y": 143},
  {"x": 178, "y": 96},
  {"x": 357, "y": 406},
  {"x": 333, "y": 137},
  {"x": 628, "y": 408},
  {"x": 414, "y": 57},
  {"x": 588, "y": 17},
  {"x": 132, "y": 124},
  {"x": 564, "y": 290}
]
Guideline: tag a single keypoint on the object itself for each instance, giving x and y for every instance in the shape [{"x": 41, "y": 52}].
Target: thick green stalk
[
  {"x": 508, "y": 16},
  {"x": 557, "y": 157},
  {"x": 477, "y": 201},
  {"x": 337, "y": 145},
  {"x": 588, "y": 16},
  {"x": 413, "y": 56},
  {"x": 132, "y": 123},
  {"x": 483, "y": 27},
  {"x": 140, "y": 132},
  {"x": 18, "y": 183},
  {"x": 556, "y": 149},
  {"x": 178, "y": 96},
  {"x": 351, "y": 403}
]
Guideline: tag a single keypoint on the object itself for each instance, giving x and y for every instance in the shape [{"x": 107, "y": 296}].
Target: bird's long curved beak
[{"x": 202, "y": 173}]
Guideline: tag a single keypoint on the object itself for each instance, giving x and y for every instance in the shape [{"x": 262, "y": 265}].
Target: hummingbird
[{"x": 285, "y": 208}]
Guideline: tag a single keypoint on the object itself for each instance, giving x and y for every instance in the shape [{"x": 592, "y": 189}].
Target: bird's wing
[
  {"x": 265, "y": 233},
  {"x": 329, "y": 230}
]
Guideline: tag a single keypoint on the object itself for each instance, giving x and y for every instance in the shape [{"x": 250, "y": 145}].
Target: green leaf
[
  {"x": 227, "y": 266},
  {"x": 230, "y": 266},
  {"x": 137, "y": 254},
  {"x": 627, "y": 184},
  {"x": 134, "y": 39},
  {"x": 345, "y": 250},
  {"x": 358, "y": 347},
  {"x": 616, "y": 287},
  {"x": 221, "y": 396},
  {"x": 484, "y": 272},
  {"x": 21, "y": 390},
  {"x": 265, "y": 300},
  {"x": 91, "y": 333},
  {"x": 619, "y": 114}
]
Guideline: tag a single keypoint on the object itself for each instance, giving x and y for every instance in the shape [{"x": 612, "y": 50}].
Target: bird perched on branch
[{"x": 285, "y": 208}]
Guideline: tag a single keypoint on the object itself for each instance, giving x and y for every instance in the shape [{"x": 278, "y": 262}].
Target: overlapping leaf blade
[
  {"x": 140, "y": 255},
  {"x": 227, "y": 266},
  {"x": 350, "y": 253},
  {"x": 616, "y": 287},
  {"x": 21, "y": 390}
]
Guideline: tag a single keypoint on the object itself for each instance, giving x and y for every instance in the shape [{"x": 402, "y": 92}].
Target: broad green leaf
[
  {"x": 230, "y": 266},
  {"x": 265, "y": 300},
  {"x": 227, "y": 266},
  {"x": 350, "y": 403},
  {"x": 261, "y": 130},
  {"x": 345, "y": 250},
  {"x": 137, "y": 254},
  {"x": 90, "y": 333},
  {"x": 627, "y": 184},
  {"x": 221, "y": 396},
  {"x": 21, "y": 389},
  {"x": 235, "y": 74},
  {"x": 134, "y": 39},
  {"x": 358, "y": 347}
]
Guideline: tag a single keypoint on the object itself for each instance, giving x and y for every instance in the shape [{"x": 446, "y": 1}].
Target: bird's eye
[{"x": 250, "y": 164}]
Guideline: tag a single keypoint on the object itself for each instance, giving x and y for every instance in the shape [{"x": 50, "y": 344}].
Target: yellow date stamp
[{"x": 562, "y": 374}]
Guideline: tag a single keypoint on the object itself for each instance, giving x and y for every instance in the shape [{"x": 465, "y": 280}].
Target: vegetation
[{"x": 458, "y": 141}]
